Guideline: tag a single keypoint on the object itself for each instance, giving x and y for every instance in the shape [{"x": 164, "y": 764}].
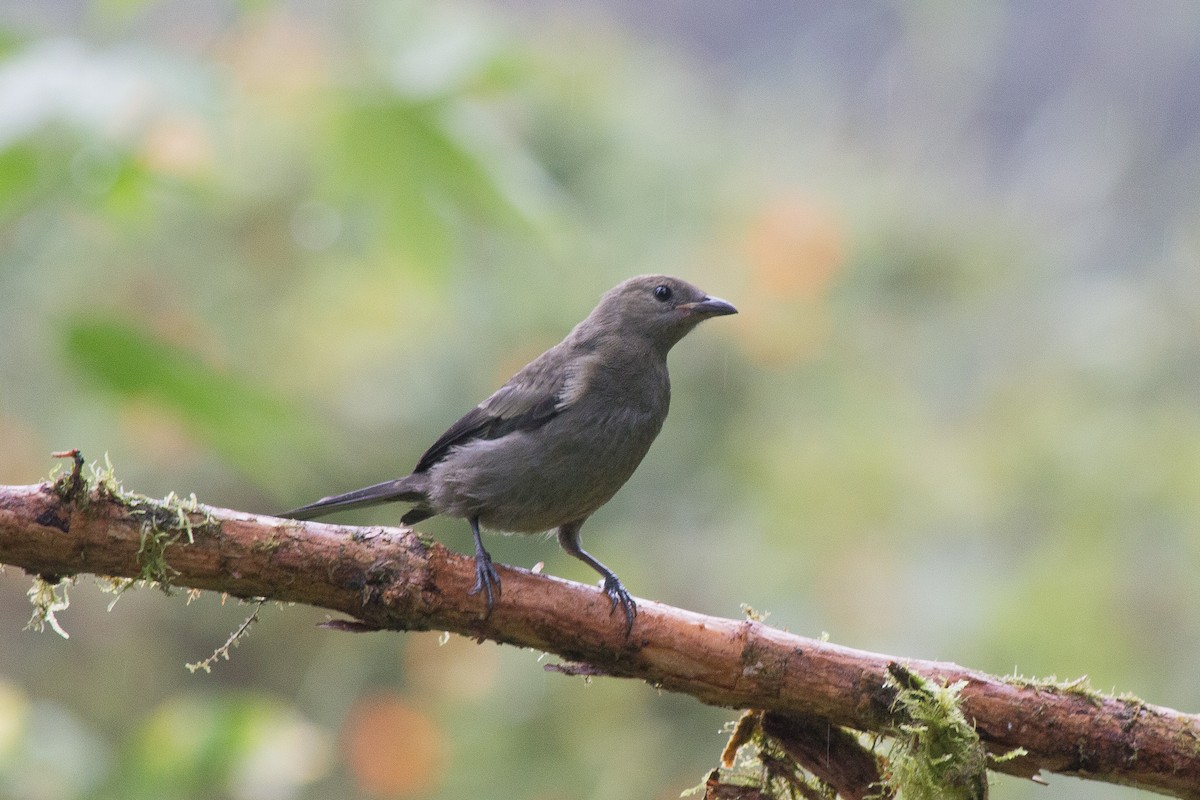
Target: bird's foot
[
  {"x": 486, "y": 580},
  {"x": 617, "y": 595}
]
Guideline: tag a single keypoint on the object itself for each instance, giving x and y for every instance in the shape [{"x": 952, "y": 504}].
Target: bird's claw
[
  {"x": 617, "y": 595},
  {"x": 486, "y": 581}
]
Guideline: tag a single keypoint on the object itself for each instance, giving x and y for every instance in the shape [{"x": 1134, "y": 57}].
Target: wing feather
[{"x": 539, "y": 392}]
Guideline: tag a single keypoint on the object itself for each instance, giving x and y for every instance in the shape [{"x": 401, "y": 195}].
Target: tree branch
[{"x": 391, "y": 578}]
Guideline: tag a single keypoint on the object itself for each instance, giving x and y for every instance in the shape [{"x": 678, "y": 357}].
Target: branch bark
[{"x": 391, "y": 578}]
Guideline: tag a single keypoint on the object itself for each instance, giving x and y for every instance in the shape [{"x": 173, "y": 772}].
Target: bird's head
[{"x": 659, "y": 308}]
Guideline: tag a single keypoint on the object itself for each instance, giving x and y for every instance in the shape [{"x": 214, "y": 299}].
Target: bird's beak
[{"x": 710, "y": 306}]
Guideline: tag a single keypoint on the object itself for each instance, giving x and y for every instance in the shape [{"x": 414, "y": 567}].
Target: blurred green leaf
[
  {"x": 9, "y": 42},
  {"x": 403, "y": 159},
  {"x": 241, "y": 422},
  {"x": 18, "y": 178},
  {"x": 242, "y": 745}
]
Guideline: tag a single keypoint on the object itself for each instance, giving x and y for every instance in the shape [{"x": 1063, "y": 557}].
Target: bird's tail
[{"x": 409, "y": 489}]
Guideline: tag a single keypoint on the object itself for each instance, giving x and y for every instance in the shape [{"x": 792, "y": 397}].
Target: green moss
[
  {"x": 753, "y": 614},
  {"x": 104, "y": 479},
  {"x": 114, "y": 586},
  {"x": 270, "y": 544},
  {"x": 936, "y": 754},
  {"x": 1081, "y": 687},
  {"x": 164, "y": 523},
  {"x": 48, "y": 598}
]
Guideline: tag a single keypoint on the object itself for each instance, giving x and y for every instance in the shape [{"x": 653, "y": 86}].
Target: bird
[{"x": 560, "y": 438}]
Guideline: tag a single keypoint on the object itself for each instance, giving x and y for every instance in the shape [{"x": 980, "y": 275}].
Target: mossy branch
[{"x": 806, "y": 689}]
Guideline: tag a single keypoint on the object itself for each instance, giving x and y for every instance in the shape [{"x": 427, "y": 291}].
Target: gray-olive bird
[{"x": 559, "y": 439}]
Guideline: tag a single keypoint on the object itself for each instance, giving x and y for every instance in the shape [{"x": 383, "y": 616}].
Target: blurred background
[{"x": 266, "y": 251}]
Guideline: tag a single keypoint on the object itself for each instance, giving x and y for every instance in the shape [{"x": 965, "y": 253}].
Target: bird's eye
[{"x": 662, "y": 293}]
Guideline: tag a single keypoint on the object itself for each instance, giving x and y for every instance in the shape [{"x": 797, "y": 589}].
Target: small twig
[
  {"x": 743, "y": 732},
  {"x": 73, "y": 486},
  {"x": 231, "y": 642}
]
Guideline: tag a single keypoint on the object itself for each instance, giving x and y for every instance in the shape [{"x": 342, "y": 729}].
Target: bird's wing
[{"x": 543, "y": 389}]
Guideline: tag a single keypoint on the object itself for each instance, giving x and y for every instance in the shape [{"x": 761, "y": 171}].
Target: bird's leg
[
  {"x": 485, "y": 574},
  {"x": 568, "y": 537}
]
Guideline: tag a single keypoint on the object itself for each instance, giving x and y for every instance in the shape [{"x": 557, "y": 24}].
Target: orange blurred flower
[
  {"x": 256, "y": 50},
  {"x": 391, "y": 749},
  {"x": 795, "y": 246},
  {"x": 179, "y": 145}
]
